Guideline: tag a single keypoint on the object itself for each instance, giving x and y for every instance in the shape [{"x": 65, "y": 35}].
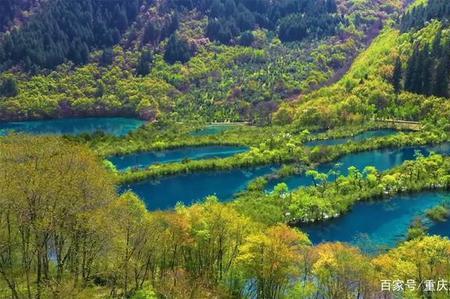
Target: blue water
[
  {"x": 145, "y": 159},
  {"x": 377, "y": 224},
  {"x": 118, "y": 126},
  {"x": 382, "y": 159},
  {"x": 166, "y": 192},
  {"x": 441, "y": 228},
  {"x": 356, "y": 138},
  {"x": 212, "y": 130}
]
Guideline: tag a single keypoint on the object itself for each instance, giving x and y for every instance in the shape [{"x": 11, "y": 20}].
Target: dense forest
[
  {"x": 67, "y": 30},
  {"x": 295, "y": 20},
  {"x": 64, "y": 30},
  {"x": 186, "y": 74},
  {"x": 335, "y": 108},
  {"x": 420, "y": 14},
  {"x": 427, "y": 70},
  {"x": 12, "y": 12}
]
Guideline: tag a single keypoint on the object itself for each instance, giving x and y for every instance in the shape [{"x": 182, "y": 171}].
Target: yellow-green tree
[
  {"x": 418, "y": 260},
  {"x": 342, "y": 271},
  {"x": 49, "y": 187},
  {"x": 272, "y": 258}
]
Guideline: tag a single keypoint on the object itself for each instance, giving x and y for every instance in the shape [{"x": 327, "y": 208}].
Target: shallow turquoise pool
[
  {"x": 118, "y": 126},
  {"x": 145, "y": 159},
  {"x": 378, "y": 224}
]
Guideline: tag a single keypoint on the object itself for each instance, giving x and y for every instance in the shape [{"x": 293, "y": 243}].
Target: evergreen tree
[
  {"x": 397, "y": 75},
  {"x": 246, "y": 39},
  {"x": 419, "y": 15},
  {"x": 145, "y": 60},
  {"x": 121, "y": 20},
  {"x": 151, "y": 33},
  {"x": 173, "y": 26},
  {"x": 100, "y": 90},
  {"x": 7, "y": 12},
  {"x": 107, "y": 57},
  {"x": 8, "y": 88},
  {"x": 427, "y": 76},
  {"x": 437, "y": 47},
  {"x": 230, "y": 7},
  {"x": 217, "y": 9},
  {"x": 410, "y": 71},
  {"x": 213, "y": 28},
  {"x": 177, "y": 50},
  {"x": 67, "y": 29},
  {"x": 132, "y": 8},
  {"x": 293, "y": 28},
  {"x": 2, "y": 54},
  {"x": 417, "y": 83},
  {"x": 426, "y": 72},
  {"x": 84, "y": 53},
  {"x": 115, "y": 36},
  {"x": 245, "y": 20},
  {"x": 440, "y": 88},
  {"x": 331, "y": 6}
]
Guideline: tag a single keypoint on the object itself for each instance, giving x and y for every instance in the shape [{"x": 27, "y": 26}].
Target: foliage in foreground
[{"x": 64, "y": 233}]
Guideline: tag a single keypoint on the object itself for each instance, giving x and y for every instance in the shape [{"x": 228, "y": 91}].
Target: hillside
[
  {"x": 165, "y": 59},
  {"x": 16, "y": 13},
  {"x": 402, "y": 75},
  {"x": 224, "y": 149}
]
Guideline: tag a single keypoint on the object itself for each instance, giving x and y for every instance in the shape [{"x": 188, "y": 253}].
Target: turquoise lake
[
  {"x": 166, "y": 192},
  {"x": 379, "y": 224},
  {"x": 382, "y": 159},
  {"x": 440, "y": 227},
  {"x": 145, "y": 159},
  {"x": 212, "y": 130},
  {"x": 356, "y": 138},
  {"x": 118, "y": 126}
]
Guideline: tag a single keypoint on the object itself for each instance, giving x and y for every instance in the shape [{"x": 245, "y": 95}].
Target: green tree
[
  {"x": 397, "y": 75},
  {"x": 440, "y": 88},
  {"x": 427, "y": 72},
  {"x": 107, "y": 57},
  {"x": 144, "y": 63},
  {"x": 151, "y": 34},
  {"x": 177, "y": 50},
  {"x": 8, "y": 87},
  {"x": 61, "y": 187},
  {"x": 271, "y": 258},
  {"x": 131, "y": 237}
]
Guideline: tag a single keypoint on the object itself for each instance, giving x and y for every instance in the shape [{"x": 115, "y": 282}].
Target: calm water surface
[
  {"x": 382, "y": 159},
  {"x": 440, "y": 228},
  {"x": 166, "y": 192},
  {"x": 378, "y": 224},
  {"x": 145, "y": 159},
  {"x": 118, "y": 126}
]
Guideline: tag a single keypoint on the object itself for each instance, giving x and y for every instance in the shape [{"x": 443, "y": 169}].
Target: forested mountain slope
[
  {"x": 14, "y": 13},
  {"x": 402, "y": 75},
  {"x": 320, "y": 195},
  {"x": 170, "y": 58}
]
